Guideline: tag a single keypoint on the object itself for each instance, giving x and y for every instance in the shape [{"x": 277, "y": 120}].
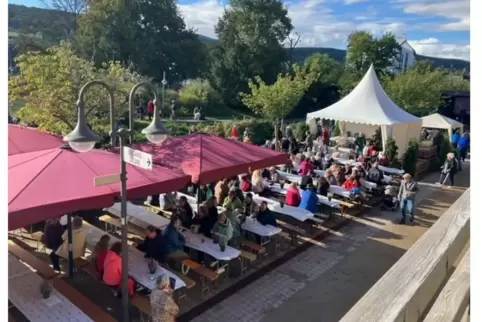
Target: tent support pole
[{"x": 69, "y": 240}]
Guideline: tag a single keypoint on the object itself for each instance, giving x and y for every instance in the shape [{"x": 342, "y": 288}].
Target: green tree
[
  {"x": 275, "y": 101},
  {"x": 419, "y": 90},
  {"x": 199, "y": 93},
  {"x": 49, "y": 84},
  {"x": 364, "y": 50},
  {"x": 251, "y": 34},
  {"x": 150, "y": 35}
]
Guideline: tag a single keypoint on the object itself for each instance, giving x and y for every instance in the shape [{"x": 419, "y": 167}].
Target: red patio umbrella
[
  {"x": 208, "y": 158},
  {"x": 23, "y": 139},
  {"x": 46, "y": 184}
]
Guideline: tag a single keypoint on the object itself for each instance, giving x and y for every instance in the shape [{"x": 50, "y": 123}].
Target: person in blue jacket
[
  {"x": 309, "y": 199},
  {"x": 174, "y": 241},
  {"x": 464, "y": 143},
  {"x": 455, "y": 138}
]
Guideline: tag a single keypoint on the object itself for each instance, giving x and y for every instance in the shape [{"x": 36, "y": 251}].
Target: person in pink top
[
  {"x": 305, "y": 166},
  {"x": 113, "y": 270}
]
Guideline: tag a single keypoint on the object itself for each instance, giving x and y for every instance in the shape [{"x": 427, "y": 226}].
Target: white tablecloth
[
  {"x": 337, "y": 190},
  {"x": 206, "y": 245},
  {"x": 24, "y": 293},
  {"x": 391, "y": 171},
  {"x": 252, "y": 225},
  {"x": 138, "y": 268},
  {"x": 297, "y": 213},
  {"x": 321, "y": 199},
  {"x": 16, "y": 267},
  {"x": 139, "y": 216}
]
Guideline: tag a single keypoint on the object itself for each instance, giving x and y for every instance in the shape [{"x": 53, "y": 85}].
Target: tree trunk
[{"x": 276, "y": 135}]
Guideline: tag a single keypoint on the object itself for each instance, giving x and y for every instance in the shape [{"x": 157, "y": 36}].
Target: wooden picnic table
[{"x": 42, "y": 268}]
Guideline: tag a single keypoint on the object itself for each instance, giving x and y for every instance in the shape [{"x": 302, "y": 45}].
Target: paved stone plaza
[{"x": 325, "y": 281}]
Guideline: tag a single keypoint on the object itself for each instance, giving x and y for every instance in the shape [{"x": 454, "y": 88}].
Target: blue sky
[{"x": 438, "y": 28}]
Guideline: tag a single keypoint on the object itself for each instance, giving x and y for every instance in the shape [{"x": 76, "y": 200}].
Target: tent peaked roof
[
  {"x": 368, "y": 104},
  {"x": 208, "y": 158},
  {"x": 438, "y": 121}
]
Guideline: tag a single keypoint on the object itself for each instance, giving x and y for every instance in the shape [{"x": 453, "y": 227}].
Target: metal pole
[
  {"x": 69, "y": 241},
  {"x": 162, "y": 106},
  {"x": 125, "y": 263}
]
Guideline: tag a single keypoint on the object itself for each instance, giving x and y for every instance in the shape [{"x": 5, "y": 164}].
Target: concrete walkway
[{"x": 325, "y": 281}]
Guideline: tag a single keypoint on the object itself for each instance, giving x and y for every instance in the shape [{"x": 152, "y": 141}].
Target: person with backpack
[{"x": 375, "y": 175}]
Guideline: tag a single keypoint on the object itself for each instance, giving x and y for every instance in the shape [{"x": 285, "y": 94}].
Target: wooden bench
[
  {"x": 115, "y": 222},
  {"x": 292, "y": 230},
  {"x": 253, "y": 247},
  {"x": 42, "y": 268},
  {"x": 82, "y": 302},
  {"x": 246, "y": 257},
  {"x": 158, "y": 210},
  {"x": 206, "y": 275},
  {"x": 282, "y": 236},
  {"x": 143, "y": 304}
]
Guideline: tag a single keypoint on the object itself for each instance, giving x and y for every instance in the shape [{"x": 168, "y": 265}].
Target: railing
[{"x": 406, "y": 291}]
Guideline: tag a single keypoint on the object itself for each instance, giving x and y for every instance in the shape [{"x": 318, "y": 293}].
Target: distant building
[{"x": 406, "y": 59}]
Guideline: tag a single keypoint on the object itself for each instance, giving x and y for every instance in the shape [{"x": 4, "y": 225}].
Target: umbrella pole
[
  {"x": 69, "y": 241},
  {"x": 125, "y": 262}
]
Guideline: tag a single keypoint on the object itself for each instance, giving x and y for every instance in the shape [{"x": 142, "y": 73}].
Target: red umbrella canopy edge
[
  {"x": 23, "y": 139},
  {"x": 208, "y": 158},
  {"x": 47, "y": 184}
]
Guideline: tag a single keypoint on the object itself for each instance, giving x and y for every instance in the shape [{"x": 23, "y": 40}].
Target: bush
[
  {"x": 337, "y": 132},
  {"x": 198, "y": 93},
  {"x": 299, "y": 130},
  {"x": 391, "y": 151},
  {"x": 410, "y": 157}
]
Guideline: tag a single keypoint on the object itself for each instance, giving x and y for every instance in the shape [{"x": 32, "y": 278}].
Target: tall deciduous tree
[
  {"x": 364, "y": 50},
  {"x": 151, "y": 35},
  {"x": 274, "y": 101},
  {"x": 251, "y": 34},
  {"x": 419, "y": 90},
  {"x": 49, "y": 84}
]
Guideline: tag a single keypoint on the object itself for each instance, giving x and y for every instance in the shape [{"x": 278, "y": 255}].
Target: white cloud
[
  {"x": 433, "y": 47},
  {"x": 354, "y": 1},
  {"x": 456, "y": 11},
  {"x": 319, "y": 27}
]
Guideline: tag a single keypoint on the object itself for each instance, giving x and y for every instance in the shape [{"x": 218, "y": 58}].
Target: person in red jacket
[
  {"x": 100, "y": 252},
  {"x": 113, "y": 270},
  {"x": 245, "y": 184},
  {"x": 293, "y": 196},
  {"x": 150, "y": 109},
  {"x": 234, "y": 133},
  {"x": 350, "y": 183},
  {"x": 326, "y": 136}
]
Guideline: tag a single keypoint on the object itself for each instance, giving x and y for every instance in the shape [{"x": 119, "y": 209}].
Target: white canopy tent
[
  {"x": 368, "y": 107},
  {"x": 437, "y": 121}
]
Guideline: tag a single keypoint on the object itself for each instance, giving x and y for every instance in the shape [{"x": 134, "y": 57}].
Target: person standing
[
  {"x": 52, "y": 239},
  {"x": 455, "y": 138},
  {"x": 173, "y": 109},
  {"x": 326, "y": 136},
  {"x": 449, "y": 169},
  {"x": 464, "y": 143},
  {"x": 163, "y": 306},
  {"x": 406, "y": 196},
  {"x": 150, "y": 109}
]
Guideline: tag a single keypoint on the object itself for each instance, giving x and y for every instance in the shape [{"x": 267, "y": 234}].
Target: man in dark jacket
[
  {"x": 265, "y": 216},
  {"x": 52, "y": 238},
  {"x": 153, "y": 244}
]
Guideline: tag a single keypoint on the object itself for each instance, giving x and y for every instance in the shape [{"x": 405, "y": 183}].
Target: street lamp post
[
  {"x": 82, "y": 139},
  {"x": 164, "y": 83}
]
